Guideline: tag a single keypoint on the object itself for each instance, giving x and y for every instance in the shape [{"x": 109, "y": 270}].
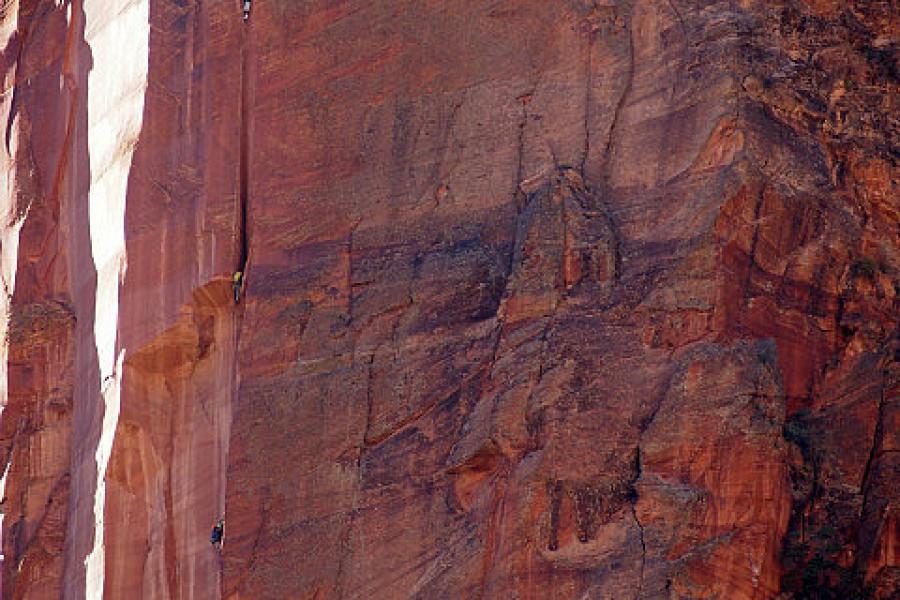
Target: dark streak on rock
[
  {"x": 556, "y": 495},
  {"x": 617, "y": 114}
]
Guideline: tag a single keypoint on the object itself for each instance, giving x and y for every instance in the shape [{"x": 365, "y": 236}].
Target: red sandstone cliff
[{"x": 543, "y": 299}]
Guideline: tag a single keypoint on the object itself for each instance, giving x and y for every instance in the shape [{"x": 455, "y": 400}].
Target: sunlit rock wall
[
  {"x": 543, "y": 299},
  {"x": 121, "y": 327}
]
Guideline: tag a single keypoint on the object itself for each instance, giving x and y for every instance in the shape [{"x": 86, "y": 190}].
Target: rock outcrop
[{"x": 575, "y": 299}]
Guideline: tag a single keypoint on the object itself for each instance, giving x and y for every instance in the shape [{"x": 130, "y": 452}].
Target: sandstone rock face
[
  {"x": 121, "y": 329},
  {"x": 569, "y": 299}
]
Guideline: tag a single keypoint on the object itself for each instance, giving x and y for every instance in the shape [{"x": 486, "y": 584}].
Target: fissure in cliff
[{"x": 244, "y": 161}]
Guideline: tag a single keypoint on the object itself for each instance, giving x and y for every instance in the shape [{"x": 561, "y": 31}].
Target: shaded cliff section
[
  {"x": 44, "y": 66},
  {"x": 165, "y": 482},
  {"x": 819, "y": 274},
  {"x": 603, "y": 310}
]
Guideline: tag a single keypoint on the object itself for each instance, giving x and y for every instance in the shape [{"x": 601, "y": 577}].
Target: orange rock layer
[{"x": 576, "y": 299}]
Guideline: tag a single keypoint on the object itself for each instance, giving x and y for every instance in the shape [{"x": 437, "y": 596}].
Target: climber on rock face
[
  {"x": 246, "y": 10},
  {"x": 218, "y": 532},
  {"x": 237, "y": 282}
]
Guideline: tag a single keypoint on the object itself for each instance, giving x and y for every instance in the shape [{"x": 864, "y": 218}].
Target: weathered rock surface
[
  {"x": 570, "y": 299},
  {"x": 105, "y": 145}
]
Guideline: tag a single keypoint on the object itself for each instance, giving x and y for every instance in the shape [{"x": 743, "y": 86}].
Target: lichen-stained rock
[{"x": 539, "y": 299}]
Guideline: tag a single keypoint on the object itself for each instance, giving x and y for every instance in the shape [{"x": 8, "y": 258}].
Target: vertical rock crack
[
  {"x": 244, "y": 161},
  {"x": 617, "y": 114},
  {"x": 640, "y": 588}
]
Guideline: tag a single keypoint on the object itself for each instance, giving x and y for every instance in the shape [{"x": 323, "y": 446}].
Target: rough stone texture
[
  {"x": 165, "y": 476},
  {"x": 36, "y": 423},
  {"x": 543, "y": 299}
]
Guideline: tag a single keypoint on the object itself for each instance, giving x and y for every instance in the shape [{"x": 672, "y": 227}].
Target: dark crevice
[
  {"x": 169, "y": 544},
  {"x": 640, "y": 587},
  {"x": 620, "y": 105},
  {"x": 872, "y": 485},
  {"x": 40, "y": 526},
  {"x": 244, "y": 166},
  {"x": 350, "y": 295},
  {"x": 588, "y": 101},
  {"x": 239, "y": 285},
  {"x": 556, "y": 493},
  {"x": 15, "y": 45},
  {"x": 495, "y": 349},
  {"x": 638, "y": 472},
  {"x": 876, "y": 443},
  {"x": 752, "y": 253},
  {"x": 370, "y": 441},
  {"x": 679, "y": 18},
  {"x": 520, "y": 201},
  {"x": 518, "y": 194},
  {"x": 634, "y": 494},
  {"x": 369, "y": 398}
]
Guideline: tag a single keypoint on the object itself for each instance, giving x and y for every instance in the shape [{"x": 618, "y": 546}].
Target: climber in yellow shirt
[{"x": 237, "y": 281}]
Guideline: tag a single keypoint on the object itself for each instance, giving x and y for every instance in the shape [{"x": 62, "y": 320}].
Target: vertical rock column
[
  {"x": 119, "y": 41},
  {"x": 10, "y": 225},
  {"x": 116, "y": 62},
  {"x": 123, "y": 185},
  {"x": 165, "y": 481},
  {"x": 37, "y": 107}
]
